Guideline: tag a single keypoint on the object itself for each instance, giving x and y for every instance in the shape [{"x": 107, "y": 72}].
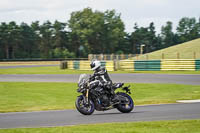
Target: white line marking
[{"x": 188, "y": 101}]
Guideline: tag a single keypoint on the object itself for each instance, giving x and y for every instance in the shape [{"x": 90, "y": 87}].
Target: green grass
[
  {"x": 57, "y": 70},
  {"x": 18, "y": 63},
  {"x": 185, "y": 50},
  {"x": 175, "y": 126},
  {"x": 41, "y": 70},
  {"x": 164, "y": 72},
  {"x": 23, "y": 96},
  {"x": 36, "y": 96}
]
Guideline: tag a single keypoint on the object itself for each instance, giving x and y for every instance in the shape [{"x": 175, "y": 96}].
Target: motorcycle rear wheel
[
  {"x": 83, "y": 108},
  {"x": 125, "y": 108}
]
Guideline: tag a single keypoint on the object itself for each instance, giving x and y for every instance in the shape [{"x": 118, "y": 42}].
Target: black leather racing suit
[{"x": 101, "y": 74}]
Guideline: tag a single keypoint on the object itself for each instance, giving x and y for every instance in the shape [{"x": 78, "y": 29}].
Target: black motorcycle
[{"x": 97, "y": 97}]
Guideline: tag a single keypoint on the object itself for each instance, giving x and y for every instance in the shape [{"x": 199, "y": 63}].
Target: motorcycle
[{"x": 97, "y": 97}]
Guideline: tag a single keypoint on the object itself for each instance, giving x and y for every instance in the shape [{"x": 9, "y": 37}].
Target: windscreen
[{"x": 82, "y": 79}]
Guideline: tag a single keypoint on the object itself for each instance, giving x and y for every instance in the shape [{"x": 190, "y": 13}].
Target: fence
[
  {"x": 85, "y": 65},
  {"x": 130, "y": 65},
  {"x": 110, "y": 56},
  {"x": 146, "y": 56},
  {"x": 145, "y": 65},
  {"x": 179, "y": 64},
  {"x": 197, "y": 65},
  {"x": 160, "y": 65},
  {"x": 152, "y": 65}
]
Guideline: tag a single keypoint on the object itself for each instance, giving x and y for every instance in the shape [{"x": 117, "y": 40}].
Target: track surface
[
  {"x": 72, "y": 117},
  {"x": 25, "y": 66},
  {"x": 126, "y": 78}
]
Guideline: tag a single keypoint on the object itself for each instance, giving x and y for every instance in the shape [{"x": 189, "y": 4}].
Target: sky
[{"x": 142, "y": 12}]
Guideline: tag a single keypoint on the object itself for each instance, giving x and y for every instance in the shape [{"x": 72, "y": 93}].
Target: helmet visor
[{"x": 92, "y": 65}]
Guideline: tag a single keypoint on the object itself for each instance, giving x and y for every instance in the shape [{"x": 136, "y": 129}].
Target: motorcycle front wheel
[
  {"x": 125, "y": 107},
  {"x": 82, "y": 107}
]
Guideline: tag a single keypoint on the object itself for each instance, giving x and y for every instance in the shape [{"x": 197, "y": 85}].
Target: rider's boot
[{"x": 114, "y": 97}]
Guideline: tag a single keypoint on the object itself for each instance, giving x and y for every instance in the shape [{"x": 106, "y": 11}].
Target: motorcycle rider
[{"x": 101, "y": 74}]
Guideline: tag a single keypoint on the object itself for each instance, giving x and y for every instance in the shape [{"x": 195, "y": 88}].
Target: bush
[{"x": 63, "y": 53}]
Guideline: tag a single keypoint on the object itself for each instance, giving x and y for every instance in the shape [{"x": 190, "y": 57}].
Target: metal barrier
[
  {"x": 197, "y": 65},
  {"x": 150, "y": 65},
  {"x": 85, "y": 65},
  {"x": 160, "y": 65},
  {"x": 125, "y": 65},
  {"x": 178, "y": 64},
  {"x": 110, "y": 65},
  {"x": 110, "y": 56}
]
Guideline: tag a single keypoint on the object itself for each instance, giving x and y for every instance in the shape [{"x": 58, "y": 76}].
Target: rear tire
[
  {"x": 82, "y": 107},
  {"x": 125, "y": 108}
]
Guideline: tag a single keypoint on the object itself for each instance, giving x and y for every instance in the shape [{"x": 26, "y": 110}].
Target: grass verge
[
  {"x": 17, "y": 63},
  {"x": 175, "y": 126},
  {"x": 23, "y": 96},
  {"x": 57, "y": 70},
  {"x": 181, "y": 51},
  {"x": 41, "y": 70}
]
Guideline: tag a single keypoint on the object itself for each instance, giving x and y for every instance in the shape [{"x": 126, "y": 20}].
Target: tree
[
  {"x": 86, "y": 27},
  {"x": 167, "y": 35},
  {"x": 35, "y": 26},
  {"x": 113, "y": 33},
  {"x": 46, "y": 34},
  {"x": 62, "y": 53},
  {"x": 59, "y": 35},
  {"x": 188, "y": 29},
  {"x": 1, "y": 45},
  {"x": 61, "y": 41},
  {"x": 152, "y": 39},
  {"x": 125, "y": 45},
  {"x": 143, "y": 35},
  {"x": 3, "y": 40},
  {"x": 27, "y": 46},
  {"x": 134, "y": 39},
  {"x": 10, "y": 38},
  {"x": 96, "y": 32},
  {"x": 86, "y": 32}
]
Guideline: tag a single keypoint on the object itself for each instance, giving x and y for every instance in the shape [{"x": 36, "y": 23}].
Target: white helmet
[{"x": 95, "y": 64}]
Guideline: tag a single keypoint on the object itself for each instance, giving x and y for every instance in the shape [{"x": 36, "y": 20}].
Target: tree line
[{"x": 89, "y": 32}]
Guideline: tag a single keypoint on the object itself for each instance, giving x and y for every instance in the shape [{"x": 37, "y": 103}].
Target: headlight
[{"x": 81, "y": 89}]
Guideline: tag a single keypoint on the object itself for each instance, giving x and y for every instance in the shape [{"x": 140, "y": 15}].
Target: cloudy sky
[{"x": 141, "y": 11}]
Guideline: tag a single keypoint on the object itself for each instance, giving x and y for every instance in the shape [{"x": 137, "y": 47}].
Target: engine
[
  {"x": 102, "y": 97},
  {"x": 105, "y": 101}
]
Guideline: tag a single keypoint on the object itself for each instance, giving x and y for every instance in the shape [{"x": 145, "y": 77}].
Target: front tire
[
  {"x": 82, "y": 107},
  {"x": 125, "y": 107}
]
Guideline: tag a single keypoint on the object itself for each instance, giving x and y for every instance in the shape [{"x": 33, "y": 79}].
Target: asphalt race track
[
  {"x": 72, "y": 117},
  {"x": 125, "y": 78},
  {"x": 25, "y": 66}
]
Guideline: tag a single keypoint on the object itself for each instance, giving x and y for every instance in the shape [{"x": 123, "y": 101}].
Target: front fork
[{"x": 86, "y": 96}]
